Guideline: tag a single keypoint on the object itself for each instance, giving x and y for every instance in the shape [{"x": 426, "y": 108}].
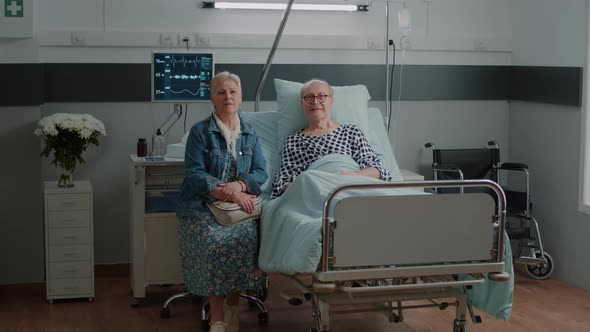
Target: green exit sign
[{"x": 13, "y": 8}]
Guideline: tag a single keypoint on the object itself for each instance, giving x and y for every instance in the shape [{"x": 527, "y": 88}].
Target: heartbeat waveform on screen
[
  {"x": 184, "y": 62},
  {"x": 186, "y": 77},
  {"x": 185, "y": 90}
]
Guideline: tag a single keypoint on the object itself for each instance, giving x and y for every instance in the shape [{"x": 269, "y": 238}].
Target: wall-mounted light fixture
[{"x": 282, "y": 6}]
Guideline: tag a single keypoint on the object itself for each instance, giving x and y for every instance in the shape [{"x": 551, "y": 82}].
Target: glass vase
[{"x": 65, "y": 177}]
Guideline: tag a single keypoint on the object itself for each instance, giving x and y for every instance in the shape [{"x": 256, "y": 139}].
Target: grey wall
[
  {"x": 548, "y": 137},
  {"x": 21, "y": 200},
  {"x": 448, "y": 124}
]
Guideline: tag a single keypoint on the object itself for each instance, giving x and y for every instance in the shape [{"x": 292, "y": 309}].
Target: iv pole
[
  {"x": 387, "y": 97},
  {"x": 272, "y": 54}
]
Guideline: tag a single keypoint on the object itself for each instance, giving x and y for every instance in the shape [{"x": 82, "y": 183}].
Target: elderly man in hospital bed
[
  {"x": 328, "y": 154},
  {"x": 324, "y": 137}
]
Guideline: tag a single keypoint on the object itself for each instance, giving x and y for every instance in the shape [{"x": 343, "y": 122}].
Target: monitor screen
[{"x": 181, "y": 77}]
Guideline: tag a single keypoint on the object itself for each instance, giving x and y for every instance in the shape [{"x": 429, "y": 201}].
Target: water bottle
[{"x": 159, "y": 145}]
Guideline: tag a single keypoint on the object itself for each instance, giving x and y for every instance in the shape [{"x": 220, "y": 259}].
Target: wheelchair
[{"x": 521, "y": 227}]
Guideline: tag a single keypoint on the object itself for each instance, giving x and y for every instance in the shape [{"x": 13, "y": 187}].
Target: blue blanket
[{"x": 291, "y": 239}]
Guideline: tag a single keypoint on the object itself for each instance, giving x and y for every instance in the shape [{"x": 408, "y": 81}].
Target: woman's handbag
[{"x": 229, "y": 214}]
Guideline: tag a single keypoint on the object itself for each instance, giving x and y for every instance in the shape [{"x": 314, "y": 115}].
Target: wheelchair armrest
[
  {"x": 514, "y": 166},
  {"x": 445, "y": 167}
]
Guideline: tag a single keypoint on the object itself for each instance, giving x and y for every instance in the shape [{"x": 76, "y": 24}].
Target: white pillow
[{"x": 350, "y": 107}]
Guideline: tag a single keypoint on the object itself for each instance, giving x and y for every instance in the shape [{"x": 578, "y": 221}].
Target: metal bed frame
[{"x": 398, "y": 276}]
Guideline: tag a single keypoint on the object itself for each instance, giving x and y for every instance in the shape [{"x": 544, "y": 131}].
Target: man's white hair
[{"x": 315, "y": 80}]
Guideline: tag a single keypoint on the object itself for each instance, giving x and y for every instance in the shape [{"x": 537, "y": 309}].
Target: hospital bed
[{"x": 391, "y": 244}]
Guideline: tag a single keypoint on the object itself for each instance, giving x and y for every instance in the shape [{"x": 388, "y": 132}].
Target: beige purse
[{"x": 228, "y": 213}]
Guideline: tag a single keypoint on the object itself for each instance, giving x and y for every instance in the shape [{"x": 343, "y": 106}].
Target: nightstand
[{"x": 69, "y": 241}]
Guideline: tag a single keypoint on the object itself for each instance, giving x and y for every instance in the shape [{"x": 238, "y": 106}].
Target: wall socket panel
[
  {"x": 404, "y": 43},
  {"x": 375, "y": 44},
  {"x": 78, "y": 39},
  {"x": 191, "y": 39},
  {"x": 203, "y": 40},
  {"x": 167, "y": 39}
]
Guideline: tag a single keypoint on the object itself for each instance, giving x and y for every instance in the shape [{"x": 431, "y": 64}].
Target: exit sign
[{"x": 13, "y": 8}]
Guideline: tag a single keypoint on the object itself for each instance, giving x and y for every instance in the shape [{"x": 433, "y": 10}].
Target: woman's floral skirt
[{"x": 217, "y": 259}]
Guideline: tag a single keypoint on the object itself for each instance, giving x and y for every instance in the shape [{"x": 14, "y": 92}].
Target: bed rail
[{"x": 494, "y": 187}]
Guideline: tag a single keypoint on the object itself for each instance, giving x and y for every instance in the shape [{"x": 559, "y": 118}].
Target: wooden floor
[{"x": 548, "y": 305}]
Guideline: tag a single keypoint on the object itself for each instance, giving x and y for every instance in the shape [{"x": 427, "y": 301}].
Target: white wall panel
[
  {"x": 549, "y": 33},
  {"x": 462, "y": 26}
]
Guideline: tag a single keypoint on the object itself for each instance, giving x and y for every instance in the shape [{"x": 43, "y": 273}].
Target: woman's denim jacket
[{"x": 204, "y": 161}]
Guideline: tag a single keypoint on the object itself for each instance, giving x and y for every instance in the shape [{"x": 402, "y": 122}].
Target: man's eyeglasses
[{"x": 309, "y": 99}]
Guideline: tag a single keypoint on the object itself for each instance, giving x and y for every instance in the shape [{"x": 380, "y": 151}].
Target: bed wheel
[
  {"x": 543, "y": 270},
  {"x": 460, "y": 326}
]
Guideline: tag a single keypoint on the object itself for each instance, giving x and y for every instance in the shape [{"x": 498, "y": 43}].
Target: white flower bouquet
[{"x": 68, "y": 135}]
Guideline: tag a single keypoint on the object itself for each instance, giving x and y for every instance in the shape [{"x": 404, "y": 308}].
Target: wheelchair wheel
[{"x": 543, "y": 270}]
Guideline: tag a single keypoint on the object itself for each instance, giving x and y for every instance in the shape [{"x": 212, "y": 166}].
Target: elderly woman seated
[{"x": 324, "y": 137}]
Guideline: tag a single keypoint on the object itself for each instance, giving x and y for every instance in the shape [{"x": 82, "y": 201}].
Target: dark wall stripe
[
  {"x": 21, "y": 84},
  {"x": 419, "y": 82},
  {"x": 97, "y": 82},
  {"x": 34, "y": 84},
  {"x": 553, "y": 85}
]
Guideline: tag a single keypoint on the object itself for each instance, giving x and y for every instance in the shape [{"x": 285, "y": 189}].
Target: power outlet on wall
[
  {"x": 375, "y": 44},
  {"x": 78, "y": 39},
  {"x": 187, "y": 39},
  {"x": 203, "y": 40},
  {"x": 167, "y": 39},
  {"x": 404, "y": 43}
]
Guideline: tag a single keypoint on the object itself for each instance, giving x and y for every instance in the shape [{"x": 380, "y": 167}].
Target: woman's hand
[
  {"x": 348, "y": 173},
  {"x": 230, "y": 189},
  {"x": 245, "y": 201}
]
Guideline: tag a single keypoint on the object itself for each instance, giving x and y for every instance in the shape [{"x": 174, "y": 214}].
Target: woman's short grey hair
[
  {"x": 220, "y": 78},
  {"x": 315, "y": 80}
]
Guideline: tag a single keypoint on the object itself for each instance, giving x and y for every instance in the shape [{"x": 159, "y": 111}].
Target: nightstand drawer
[
  {"x": 60, "y": 219},
  {"x": 65, "y": 236},
  {"x": 69, "y": 270},
  {"x": 68, "y": 202},
  {"x": 69, "y": 253},
  {"x": 70, "y": 286}
]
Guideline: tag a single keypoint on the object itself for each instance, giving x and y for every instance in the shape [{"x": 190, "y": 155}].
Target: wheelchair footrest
[{"x": 529, "y": 260}]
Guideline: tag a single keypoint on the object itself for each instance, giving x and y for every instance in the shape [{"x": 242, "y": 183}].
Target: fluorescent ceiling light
[{"x": 282, "y": 6}]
